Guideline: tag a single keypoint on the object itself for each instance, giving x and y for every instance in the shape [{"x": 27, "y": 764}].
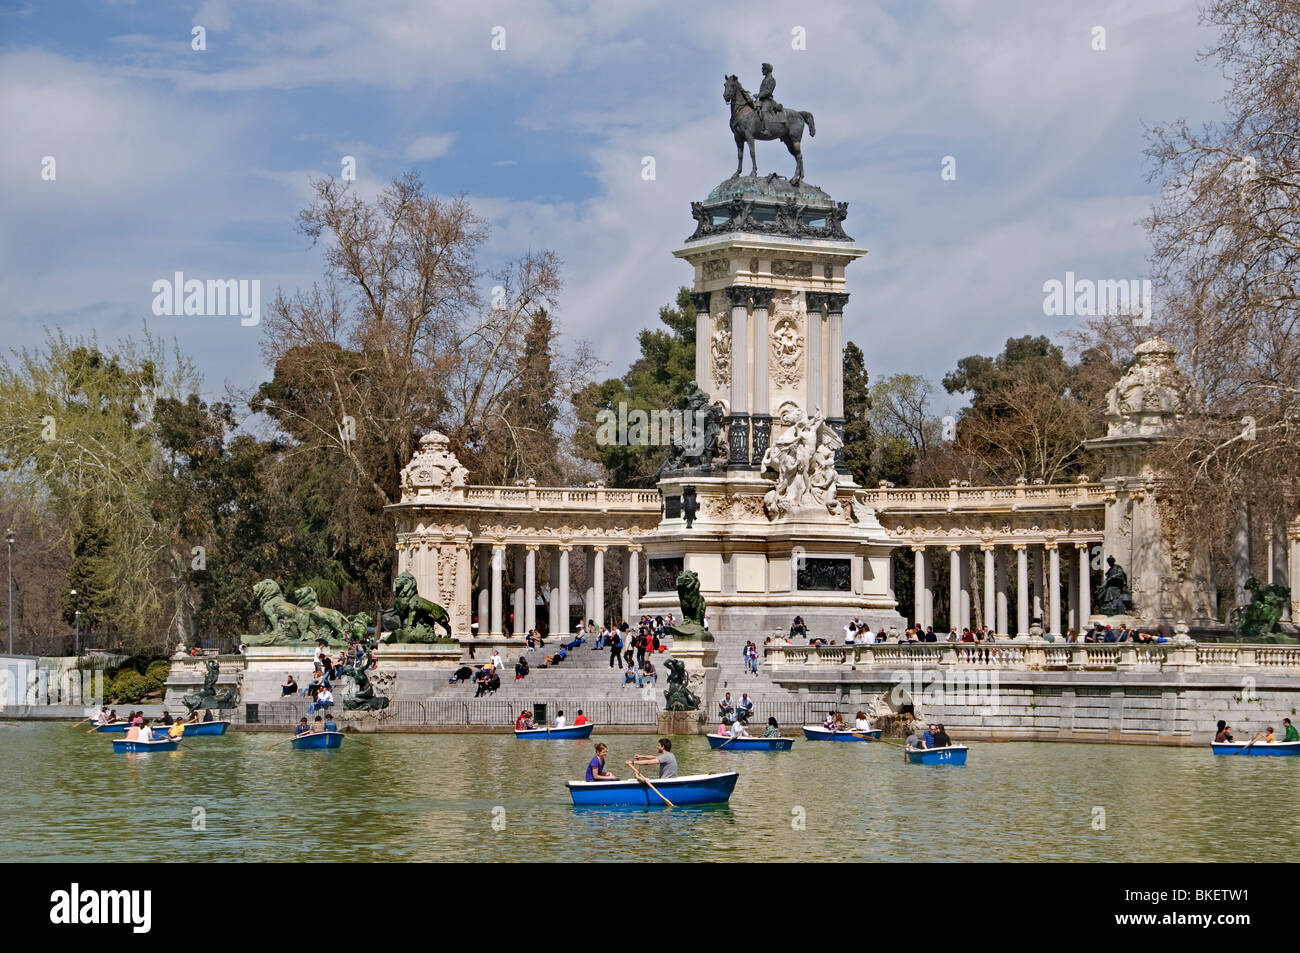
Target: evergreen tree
[{"x": 859, "y": 442}]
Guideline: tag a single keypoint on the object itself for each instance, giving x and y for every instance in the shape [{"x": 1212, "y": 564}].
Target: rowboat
[
  {"x": 818, "y": 733},
  {"x": 122, "y": 746},
  {"x": 691, "y": 789},
  {"x": 314, "y": 740},
  {"x": 118, "y": 727},
  {"x": 206, "y": 728},
  {"x": 553, "y": 734},
  {"x": 750, "y": 744},
  {"x": 1277, "y": 749},
  {"x": 953, "y": 754}
]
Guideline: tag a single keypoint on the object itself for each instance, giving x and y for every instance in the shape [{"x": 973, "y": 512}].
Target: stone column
[
  {"x": 485, "y": 589},
  {"x": 929, "y": 593},
  {"x": 1240, "y": 557},
  {"x": 966, "y": 589},
  {"x": 1003, "y": 626},
  {"x": 530, "y": 587},
  {"x": 563, "y": 594},
  {"x": 816, "y": 300},
  {"x": 835, "y": 302},
  {"x": 919, "y": 587},
  {"x": 598, "y": 584},
  {"x": 1072, "y": 616},
  {"x": 517, "y": 609},
  {"x": 498, "y": 569},
  {"x": 589, "y": 594},
  {"x": 1053, "y": 590},
  {"x": 954, "y": 587},
  {"x": 1036, "y": 583},
  {"x": 703, "y": 375},
  {"x": 634, "y": 583},
  {"x": 738, "y": 422},
  {"x": 1085, "y": 582},
  {"x": 990, "y": 600},
  {"x": 553, "y": 583},
  {"x": 761, "y": 428},
  {"x": 1293, "y": 567},
  {"x": 1022, "y": 589}
]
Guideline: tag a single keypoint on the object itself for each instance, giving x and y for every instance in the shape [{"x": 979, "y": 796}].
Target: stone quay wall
[{"x": 1033, "y": 690}]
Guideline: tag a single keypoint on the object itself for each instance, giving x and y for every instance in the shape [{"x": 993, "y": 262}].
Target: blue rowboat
[
  {"x": 727, "y": 743},
  {"x": 122, "y": 746},
  {"x": 118, "y": 727},
  {"x": 1256, "y": 749},
  {"x": 818, "y": 733},
  {"x": 692, "y": 789},
  {"x": 953, "y": 754},
  {"x": 206, "y": 728},
  {"x": 314, "y": 740},
  {"x": 552, "y": 734}
]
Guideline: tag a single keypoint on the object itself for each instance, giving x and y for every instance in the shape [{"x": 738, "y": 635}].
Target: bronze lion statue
[{"x": 416, "y": 616}]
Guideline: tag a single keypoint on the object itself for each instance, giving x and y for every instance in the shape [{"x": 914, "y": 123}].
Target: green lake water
[{"x": 65, "y": 796}]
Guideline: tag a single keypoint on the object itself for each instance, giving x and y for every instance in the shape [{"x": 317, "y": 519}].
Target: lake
[{"x": 431, "y": 797}]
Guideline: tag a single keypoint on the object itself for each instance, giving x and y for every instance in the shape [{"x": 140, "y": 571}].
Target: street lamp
[
  {"x": 76, "y": 618},
  {"x": 9, "y": 538}
]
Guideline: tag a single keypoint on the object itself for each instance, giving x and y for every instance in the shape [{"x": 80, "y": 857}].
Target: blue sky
[{"x": 173, "y": 159}]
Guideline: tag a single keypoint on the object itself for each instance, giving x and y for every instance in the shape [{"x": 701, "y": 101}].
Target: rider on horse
[{"x": 769, "y": 110}]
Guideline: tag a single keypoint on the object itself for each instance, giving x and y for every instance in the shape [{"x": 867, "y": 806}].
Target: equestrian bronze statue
[{"x": 765, "y": 119}]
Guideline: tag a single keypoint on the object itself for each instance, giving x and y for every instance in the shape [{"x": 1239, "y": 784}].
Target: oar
[
  {"x": 642, "y": 777},
  {"x": 1247, "y": 745},
  {"x": 866, "y": 737},
  {"x": 280, "y": 742},
  {"x": 82, "y": 722}
]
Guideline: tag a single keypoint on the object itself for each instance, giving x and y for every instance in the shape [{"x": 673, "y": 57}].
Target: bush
[
  {"x": 156, "y": 675},
  {"x": 127, "y": 686}
]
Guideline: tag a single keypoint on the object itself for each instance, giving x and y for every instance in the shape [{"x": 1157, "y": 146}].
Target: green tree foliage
[
  {"x": 859, "y": 442},
  {"x": 655, "y": 382}
]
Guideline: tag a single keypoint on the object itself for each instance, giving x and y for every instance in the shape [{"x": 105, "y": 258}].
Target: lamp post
[
  {"x": 76, "y": 618},
  {"x": 9, "y": 538}
]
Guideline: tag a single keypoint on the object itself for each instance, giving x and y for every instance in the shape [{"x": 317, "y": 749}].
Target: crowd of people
[
  {"x": 857, "y": 632},
  {"x": 321, "y": 724},
  {"x": 140, "y": 728}
]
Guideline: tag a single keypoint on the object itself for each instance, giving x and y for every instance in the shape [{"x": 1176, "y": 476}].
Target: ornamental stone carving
[
  {"x": 787, "y": 349},
  {"x": 804, "y": 461},
  {"x": 1151, "y": 395},
  {"x": 720, "y": 352},
  {"x": 433, "y": 472}
]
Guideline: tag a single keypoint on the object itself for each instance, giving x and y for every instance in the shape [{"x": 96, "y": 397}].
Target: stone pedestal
[
  {"x": 682, "y": 723},
  {"x": 417, "y": 667}
]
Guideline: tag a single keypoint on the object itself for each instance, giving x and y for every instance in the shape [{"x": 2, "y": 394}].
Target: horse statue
[{"x": 747, "y": 125}]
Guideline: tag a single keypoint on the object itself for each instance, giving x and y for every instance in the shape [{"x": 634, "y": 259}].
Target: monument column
[
  {"x": 589, "y": 594},
  {"x": 1085, "y": 583},
  {"x": 762, "y": 411},
  {"x": 1072, "y": 616},
  {"x": 498, "y": 568},
  {"x": 1022, "y": 589},
  {"x": 816, "y": 300},
  {"x": 989, "y": 572},
  {"x": 1003, "y": 626},
  {"x": 563, "y": 594},
  {"x": 598, "y": 584},
  {"x": 700, "y": 299},
  {"x": 918, "y": 588},
  {"x": 553, "y": 584},
  {"x": 484, "y": 588},
  {"x": 517, "y": 596},
  {"x": 1035, "y": 565},
  {"x": 634, "y": 583},
  {"x": 738, "y": 422},
  {"x": 1053, "y": 589},
  {"x": 954, "y": 587},
  {"x": 530, "y": 588},
  {"x": 835, "y": 302}
]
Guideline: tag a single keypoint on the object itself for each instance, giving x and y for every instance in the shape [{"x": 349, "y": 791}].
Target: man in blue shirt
[{"x": 927, "y": 740}]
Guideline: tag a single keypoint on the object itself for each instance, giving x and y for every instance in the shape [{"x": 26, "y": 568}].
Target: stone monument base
[{"x": 682, "y": 723}]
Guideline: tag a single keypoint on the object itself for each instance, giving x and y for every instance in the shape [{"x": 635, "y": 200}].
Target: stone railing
[
  {"x": 1021, "y": 495},
  {"x": 1038, "y": 654},
  {"x": 601, "y": 498}
]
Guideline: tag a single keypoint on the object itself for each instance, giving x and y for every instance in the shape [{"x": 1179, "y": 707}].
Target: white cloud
[{"x": 429, "y": 147}]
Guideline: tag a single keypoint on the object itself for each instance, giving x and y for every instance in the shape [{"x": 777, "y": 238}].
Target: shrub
[{"x": 127, "y": 686}]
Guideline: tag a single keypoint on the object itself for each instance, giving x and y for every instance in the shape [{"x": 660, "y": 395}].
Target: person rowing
[{"x": 666, "y": 760}]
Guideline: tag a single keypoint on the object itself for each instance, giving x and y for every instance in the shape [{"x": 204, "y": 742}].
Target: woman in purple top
[{"x": 596, "y": 766}]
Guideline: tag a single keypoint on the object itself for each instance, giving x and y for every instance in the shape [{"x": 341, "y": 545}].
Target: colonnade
[
  {"x": 1038, "y": 568},
  {"x": 519, "y": 564}
]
